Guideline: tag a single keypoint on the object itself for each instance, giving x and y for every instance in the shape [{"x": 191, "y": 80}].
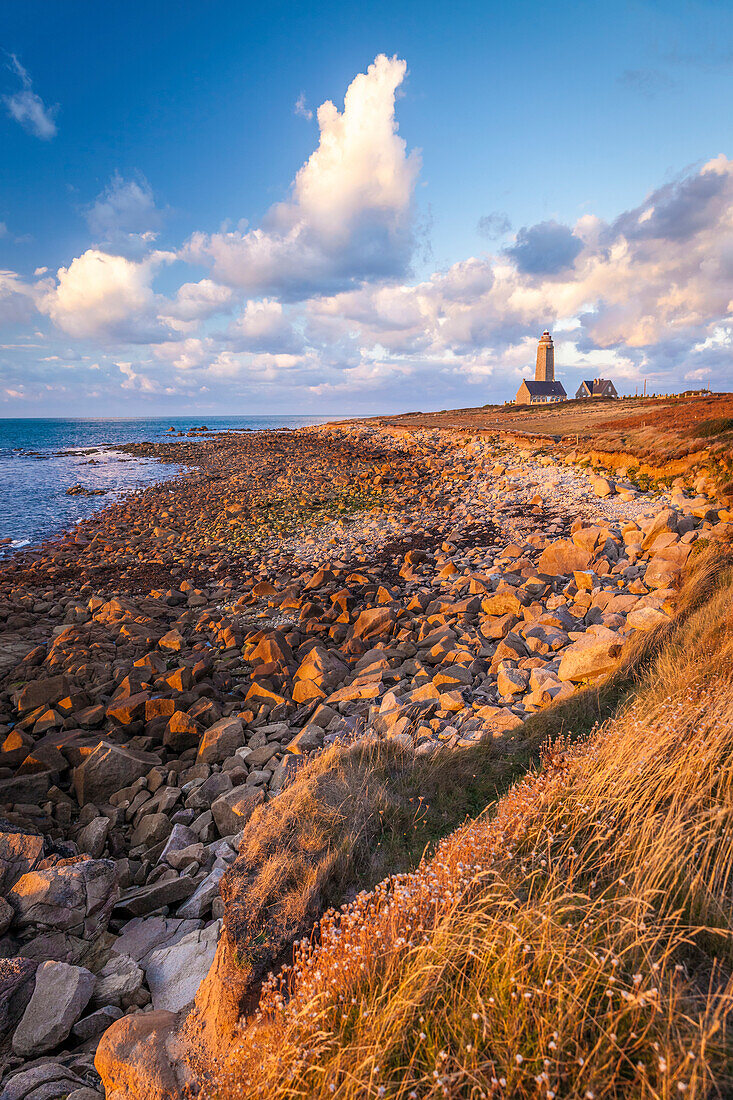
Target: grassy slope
[{"x": 573, "y": 941}]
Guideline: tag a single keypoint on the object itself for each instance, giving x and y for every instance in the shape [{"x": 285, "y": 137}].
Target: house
[
  {"x": 597, "y": 387},
  {"x": 532, "y": 393},
  {"x": 543, "y": 388}
]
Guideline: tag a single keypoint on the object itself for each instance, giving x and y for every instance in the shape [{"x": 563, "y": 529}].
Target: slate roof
[
  {"x": 544, "y": 389},
  {"x": 596, "y": 385}
]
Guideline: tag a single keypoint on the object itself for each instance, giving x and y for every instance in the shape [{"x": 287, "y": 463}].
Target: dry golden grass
[
  {"x": 577, "y": 943},
  {"x": 355, "y": 814}
]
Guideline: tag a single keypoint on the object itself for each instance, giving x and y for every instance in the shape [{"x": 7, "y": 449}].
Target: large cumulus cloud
[
  {"x": 544, "y": 249},
  {"x": 349, "y": 217}
]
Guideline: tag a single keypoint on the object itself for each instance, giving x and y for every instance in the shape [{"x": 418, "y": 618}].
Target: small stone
[
  {"x": 93, "y": 837},
  {"x": 153, "y": 829},
  {"x": 118, "y": 981},
  {"x": 94, "y": 1024}
]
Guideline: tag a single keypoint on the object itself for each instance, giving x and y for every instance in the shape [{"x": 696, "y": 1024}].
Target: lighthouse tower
[{"x": 545, "y": 371}]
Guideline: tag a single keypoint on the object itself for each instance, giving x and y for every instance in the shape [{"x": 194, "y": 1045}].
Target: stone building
[
  {"x": 543, "y": 387},
  {"x": 596, "y": 387}
]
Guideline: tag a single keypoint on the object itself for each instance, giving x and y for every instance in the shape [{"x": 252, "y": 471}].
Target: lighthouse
[
  {"x": 545, "y": 370},
  {"x": 543, "y": 387}
]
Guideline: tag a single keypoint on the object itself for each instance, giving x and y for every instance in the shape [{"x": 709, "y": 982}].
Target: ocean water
[{"x": 34, "y": 476}]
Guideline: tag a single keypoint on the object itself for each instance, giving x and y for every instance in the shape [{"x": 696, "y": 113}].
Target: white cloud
[
  {"x": 195, "y": 302},
  {"x": 186, "y": 355},
  {"x": 124, "y": 217},
  {"x": 264, "y": 326},
  {"x": 136, "y": 380},
  {"x": 104, "y": 297},
  {"x": 350, "y": 214},
  {"x": 16, "y": 298},
  {"x": 301, "y": 107},
  {"x": 27, "y": 108}
]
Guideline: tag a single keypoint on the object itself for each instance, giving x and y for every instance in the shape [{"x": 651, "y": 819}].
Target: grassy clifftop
[{"x": 571, "y": 941}]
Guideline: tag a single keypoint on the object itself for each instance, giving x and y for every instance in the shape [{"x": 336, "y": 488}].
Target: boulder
[
  {"x": 17, "y": 980},
  {"x": 221, "y": 740},
  {"x": 563, "y": 557},
  {"x": 602, "y": 487},
  {"x": 665, "y": 520},
  {"x": 152, "y": 829},
  {"x": 59, "y": 998},
  {"x": 373, "y": 622},
  {"x": 18, "y": 853},
  {"x": 665, "y": 567},
  {"x": 146, "y": 899},
  {"x": 232, "y": 810},
  {"x": 593, "y": 655},
  {"x": 512, "y": 681},
  {"x": 323, "y": 667},
  {"x": 175, "y": 973},
  {"x": 40, "y": 693},
  {"x": 180, "y": 837},
  {"x": 199, "y": 904},
  {"x": 94, "y": 1024},
  {"x": 309, "y": 739},
  {"x": 182, "y": 732},
  {"x": 75, "y": 897},
  {"x": 132, "y": 1058},
  {"x": 275, "y": 648},
  {"x": 93, "y": 837},
  {"x": 143, "y": 935},
  {"x": 207, "y": 792},
  {"x": 646, "y": 618},
  {"x": 118, "y": 981},
  {"x": 502, "y": 603},
  {"x": 128, "y": 709},
  {"x": 109, "y": 768},
  {"x": 47, "y": 1081}
]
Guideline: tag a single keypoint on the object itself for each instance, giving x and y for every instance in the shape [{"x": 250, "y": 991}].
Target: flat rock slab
[
  {"x": 146, "y": 899},
  {"x": 146, "y": 934},
  {"x": 109, "y": 768},
  {"x": 175, "y": 973},
  {"x": 59, "y": 998}
]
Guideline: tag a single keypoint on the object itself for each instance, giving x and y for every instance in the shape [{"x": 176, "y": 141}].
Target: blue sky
[{"x": 500, "y": 168}]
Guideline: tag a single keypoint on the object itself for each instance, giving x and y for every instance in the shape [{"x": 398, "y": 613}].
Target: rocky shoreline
[{"x": 167, "y": 667}]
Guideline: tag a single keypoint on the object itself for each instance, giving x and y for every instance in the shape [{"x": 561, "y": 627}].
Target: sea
[{"x": 41, "y": 458}]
